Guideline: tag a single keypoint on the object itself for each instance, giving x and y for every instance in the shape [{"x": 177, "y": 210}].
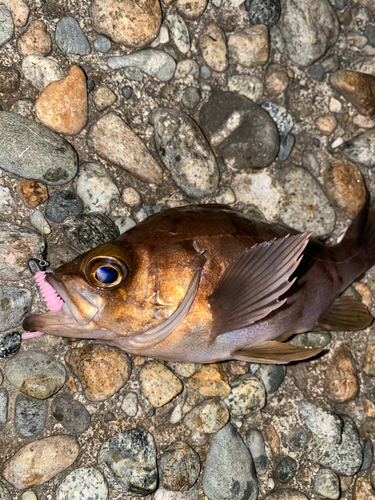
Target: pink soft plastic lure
[{"x": 50, "y": 296}]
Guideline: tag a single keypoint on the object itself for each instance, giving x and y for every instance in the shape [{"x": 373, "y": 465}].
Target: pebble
[
  {"x": 225, "y": 196},
  {"x": 327, "y": 484},
  {"x": 250, "y": 47},
  {"x": 40, "y": 223},
  {"x": 326, "y": 124},
  {"x": 19, "y": 11},
  {"x": 6, "y": 25},
  {"x": 130, "y": 22},
  {"x": 263, "y": 11},
  {"x": 112, "y": 139},
  {"x": 341, "y": 382},
  {"x": 368, "y": 454},
  {"x": 37, "y": 462},
  {"x": 247, "y": 395},
  {"x": 357, "y": 39},
  {"x": 346, "y": 186},
  {"x": 179, "y": 32},
  {"x": 191, "y": 9},
  {"x": 229, "y": 472},
  {"x": 297, "y": 438},
  {"x": 163, "y": 36},
  {"x": 17, "y": 245},
  {"x": 159, "y": 384},
  {"x": 9, "y": 80},
  {"x": 179, "y": 467},
  {"x": 88, "y": 231},
  {"x": 370, "y": 34},
  {"x": 281, "y": 117},
  {"x": 239, "y": 130},
  {"x": 29, "y": 495},
  {"x": 317, "y": 72},
  {"x": 102, "y": 44},
  {"x": 331, "y": 63},
  {"x": 357, "y": 88},
  {"x": 41, "y": 71},
  {"x": 103, "y": 97},
  {"x": 50, "y": 159},
  {"x": 30, "y": 415},
  {"x": 210, "y": 380},
  {"x": 128, "y": 462},
  {"x": 10, "y": 344},
  {"x": 185, "y": 152},
  {"x": 101, "y": 369},
  {"x": 85, "y": 483},
  {"x": 213, "y": 48},
  {"x": 71, "y": 414},
  {"x": 162, "y": 494},
  {"x": 322, "y": 423},
  {"x": 187, "y": 68},
  {"x": 191, "y": 97},
  {"x": 276, "y": 80},
  {"x": 185, "y": 370},
  {"x": 312, "y": 339},
  {"x": 133, "y": 73},
  {"x": 344, "y": 458},
  {"x": 363, "y": 121},
  {"x": 127, "y": 91},
  {"x": 205, "y": 72},
  {"x": 124, "y": 224},
  {"x": 306, "y": 207},
  {"x": 285, "y": 470},
  {"x": 63, "y": 204},
  {"x": 255, "y": 443},
  {"x": 7, "y": 205},
  {"x": 272, "y": 377},
  {"x": 309, "y": 29},
  {"x": 155, "y": 63},
  {"x": 4, "y": 401},
  {"x": 246, "y": 85},
  {"x": 130, "y": 404},
  {"x": 286, "y": 494},
  {"x": 369, "y": 362},
  {"x": 311, "y": 163},
  {"x": 14, "y": 304},
  {"x": 286, "y": 146},
  {"x": 70, "y": 38},
  {"x": 208, "y": 417},
  {"x": 36, "y": 40},
  {"x": 96, "y": 188},
  {"x": 360, "y": 149}
]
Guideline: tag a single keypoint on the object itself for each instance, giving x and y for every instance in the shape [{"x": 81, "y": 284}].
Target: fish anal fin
[
  {"x": 274, "y": 353},
  {"x": 346, "y": 313},
  {"x": 250, "y": 287}
]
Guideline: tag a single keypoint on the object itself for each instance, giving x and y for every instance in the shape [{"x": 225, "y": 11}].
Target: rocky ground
[{"x": 261, "y": 105}]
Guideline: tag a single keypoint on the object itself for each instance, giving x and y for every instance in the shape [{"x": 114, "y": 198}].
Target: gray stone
[
  {"x": 317, "y": 72},
  {"x": 286, "y": 146},
  {"x": 153, "y": 62},
  {"x": 30, "y": 415},
  {"x": 229, "y": 473},
  {"x": 246, "y": 85},
  {"x": 255, "y": 443},
  {"x": 297, "y": 438},
  {"x": 368, "y": 454},
  {"x": 179, "y": 32},
  {"x": 102, "y": 44},
  {"x": 71, "y": 414},
  {"x": 361, "y": 149},
  {"x": 205, "y": 72},
  {"x": 285, "y": 470},
  {"x": 10, "y": 344},
  {"x": 263, "y": 11},
  {"x": 88, "y": 231},
  {"x": 282, "y": 118},
  {"x": 63, "y": 204},
  {"x": 272, "y": 376},
  {"x": 327, "y": 484},
  {"x": 191, "y": 97},
  {"x": 14, "y": 304},
  {"x": 133, "y": 73},
  {"x": 6, "y": 25},
  {"x": 324, "y": 424},
  {"x": 85, "y": 483},
  {"x": 70, "y": 38},
  {"x": 127, "y": 91},
  {"x": 31, "y": 151},
  {"x": 4, "y": 400}
]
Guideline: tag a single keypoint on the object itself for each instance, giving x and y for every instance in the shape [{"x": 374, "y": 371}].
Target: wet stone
[
  {"x": 159, "y": 384},
  {"x": 357, "y": 88},
  {"x": 250, "y": 47},
  {"x": 39, "y": 461},
  {"x": 246, "y": 85},
  {"x": 85, "y": 483},
  {"x": 191, "y": 97},
  {"x": 6, "y": 25},
  {"x": 155, "y": 63},
  {"x": 14, "y": 304},
  {"x": 263, "y": 11},
  {"x": 247, "y": 395},
  {"x": 255, "y": 443},
  {"x": 10, "y": 344},
  {"x": 70, "y": 38},
  {"x": 341, "y": 382},
  {"x": 185, "y": 152},
  {"x": 213, "y": 47},
  {"x": 285, "y": 470},
  {"x": 35, "y": 41},
  {"x": 239, "y": 130},
  {"x": 179, "y": 32},
  {"x": 229, "y": 471},
  {"x": 179, "y": 467},
  {"x": 40, "y": 223},
  {"x": 9, "y": 80},
  {"x": 272, "y": 377},
  {"x": 327, "y": 484},
  {"x": 63, "y": 204},
  {"x": 207, "y": 417},
  {"x": 71, "y": 414},
  {"x": 191, "y": 9},
  {"x": 210, "y": 380},
  {"x": 102, "y": 44},
  {"x": 102, "y": 370},
  {"x": 128, "y": 462},
  {"x": 88, "y": 231},
  {"x": 297, "y": 438},
  {"x": 49, "y": 158},
  {"x": 324, "y": 424},
  {"x": 30, "y": 415},
  {"x": 360, "y": 149},
  {"x": 41, "y": 71},
  {"x": 4, "y": 400}
]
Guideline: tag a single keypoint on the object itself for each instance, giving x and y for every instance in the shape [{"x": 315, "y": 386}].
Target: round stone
[
  {"x": 85, "y": 483},
  {"x": 324, "y": 424},
  {"x": 250, "y": 46},
  {"x": 40, "y": 223},
  {"x": 127, "y": 91},
  {"x": 103, "y": 97},
  {"x": 130, "y": 404},
  {"x": 191, "y": 97},
  {"x": 341, "y": 380},
  {"x": 191, "y": 9},
  {"x": 6, "y": 25},
  {"x": 70, "y": 38},
  {"x": 10, "y": 344},
  {"x": 327, "y": 484},
  {"x": 179, "y": 467},
  {"x": 102, "y": 44},
  {"x": 71, "y": 414},
  {"x": 214, "y": 48},
  {"x": 88, "y": 231},
  {"x": 247, "y": 395},
  {"x": 208, "y": 416},
  {"x": 159, "y": 384},
  {"x": 263, "y": 11},
  {"x": 63, "y": 204},
  {"x": 285, "y": 470},
  {"x": 35, "y": 41},
  {"x": 14, "y": 304},
  {"x": 30, "y": 416}
]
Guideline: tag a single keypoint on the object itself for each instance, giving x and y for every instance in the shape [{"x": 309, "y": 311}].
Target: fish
[{"x": 207, "y": 283}]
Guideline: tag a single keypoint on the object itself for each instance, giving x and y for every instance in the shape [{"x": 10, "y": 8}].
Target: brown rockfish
[{"x": 207, "y": 283}]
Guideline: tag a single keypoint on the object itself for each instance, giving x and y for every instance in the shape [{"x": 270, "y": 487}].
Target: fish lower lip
[{"x": 44, "y": 321}]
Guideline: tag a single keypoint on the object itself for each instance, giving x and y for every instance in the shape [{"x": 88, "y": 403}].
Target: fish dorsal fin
[
  {"x": 346, "y": 313},
  {"x": 273, "y": 352},
  {"x": 250, "y": 287}
]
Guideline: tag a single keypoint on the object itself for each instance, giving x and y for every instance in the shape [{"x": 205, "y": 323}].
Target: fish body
[{"x": 207, "y": 283}]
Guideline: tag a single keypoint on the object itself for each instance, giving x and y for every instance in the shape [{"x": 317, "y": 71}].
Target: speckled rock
[
  {"x": 229, "y": 471},
  {"x": 30, "y": 415},
  {"x": 85, "y": 483},
  {"x": 327, "y": 484},
  {"x": 239, "y": 130},
  {"x": 39, "y": 461},
  {"x": 153, "y": 62},
  {"x": 247, "y": 395},
  {"x": 263, "y": 11},
  {"x": 124, "y": 224},
  {"x": 40, "y": 223},
  {"x": 159, "y": 384},
  {"x": 357, "y": 88},
  {"x": 324, "y": 424},
  {"x": 4, "y": 401},
  {"x": 102, "y": 370},
  {"x": 362, "y": 489},
  {"x": 114, "y": 141},
  {"x": 191, "y": 9},
  {"x": 19, "y": 11},
  {"x": 285, "y": 470},
  {"x": 6, "y": 25},
  {"x": 17, "y": 245},
  {"x": 103, "y": 97},
  {"x": 133, "y": 23},
  {"x": 10, "y": 344},
  {"x": 250, "y": 47},
  {"x": 14, "y": 304},
  {"x": 179, "y": 467},
  {"x": 130, "y": 404},
  {"x": 281, "y": 117},
  {"x": 41, "y": 71},
  {"x": 208, "y": 416},
  {"x": 182, "y": 369},
  {"x": 179, "y": 32},
  {"x": 210, "y": 380},
  {"x": 70, "y": 37},
  {"x": 255, "y": 443},
  {"x": 272, "y": 377},
  {"x": 341, "y": 382},
  {"x": 71, "y": 414},
  {"x": 87, "y": 231},
  {"x": 128, "y": 462},
  {"x": 213, "y": 47},
  {"x": 360, "y": 149},
  {"x": 7, "y": 205},
  {"x": 9, "y": 80},
  {"x": 35, "y": 41},
  {"x": 62, "y": 106},
  {"x": 186, "y": 68},
  {"x": 246, "y": 85},
  {"x": 185, "y": 152},
  {"x": 63, "y": 204}
]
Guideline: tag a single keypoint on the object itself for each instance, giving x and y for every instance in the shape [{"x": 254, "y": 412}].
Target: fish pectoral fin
[
  {"x": 273, "y": 352},
  {"x": 346, "y": 313},
  {"x": 250, "y": 287}
]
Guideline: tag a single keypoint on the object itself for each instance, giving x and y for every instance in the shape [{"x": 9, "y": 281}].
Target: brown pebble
[
  {"x": 345, "y": 483},
  {"x": 238, "y": 367},
  {"x": 368, "y": 408},
  {"x": 62, "y": 106},
  {"x": 341, "y": 382},
  {"x": 102, "y": 370},
  {"x": 179, "y": 467},
  {"x": 210, "y": 380},
  {"x": 36, "y": 40},
  {"x": 369, "y": 362},
  {"x": 34, "y": 193},
  {"x": 363, "y": 490},
  {"x": 19, "y": 10},
  {"x": 9, "y": 80},
  {"x": 71, "y": 383},
  {"x": 250, "y": 47},
  {"x": 365, "y": 293},
  {"x": 191, "y": 9},
  {"x": 276, "y": 80},
  {"x": 213, "y": 47},
  {"x": 159, "y": 384},
  {"x": 357, "y": 88},
  {"x": 272, "y": 438}
]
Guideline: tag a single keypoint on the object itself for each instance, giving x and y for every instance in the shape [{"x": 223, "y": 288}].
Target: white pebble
[
  {"x": 40, "y": 223},
  {"x": 130, "y": 404},
  {"x": 131, "y": 197},
  {"x": 124, "y": 224}
]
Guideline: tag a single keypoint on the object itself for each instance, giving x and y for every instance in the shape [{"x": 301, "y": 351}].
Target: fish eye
[
  {"x": 107, "y": 275},
  {"x": 106, "y": 272}
]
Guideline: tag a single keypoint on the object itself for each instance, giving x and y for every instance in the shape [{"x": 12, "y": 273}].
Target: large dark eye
[{"x": 106, "y": 272}]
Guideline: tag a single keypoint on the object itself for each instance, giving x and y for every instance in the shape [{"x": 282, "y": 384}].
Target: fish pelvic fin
[
  {"x": 346, "y": 313},
  {"x": 250, "y": 287},
  {"x": 274, "y": 353}
]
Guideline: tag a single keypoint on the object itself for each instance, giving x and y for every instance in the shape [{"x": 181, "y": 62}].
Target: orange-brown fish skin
[{"x": 164, "y": 253}]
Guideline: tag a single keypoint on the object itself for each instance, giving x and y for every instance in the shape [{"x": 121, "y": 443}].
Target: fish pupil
[{"x": 106, "y": 274}]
